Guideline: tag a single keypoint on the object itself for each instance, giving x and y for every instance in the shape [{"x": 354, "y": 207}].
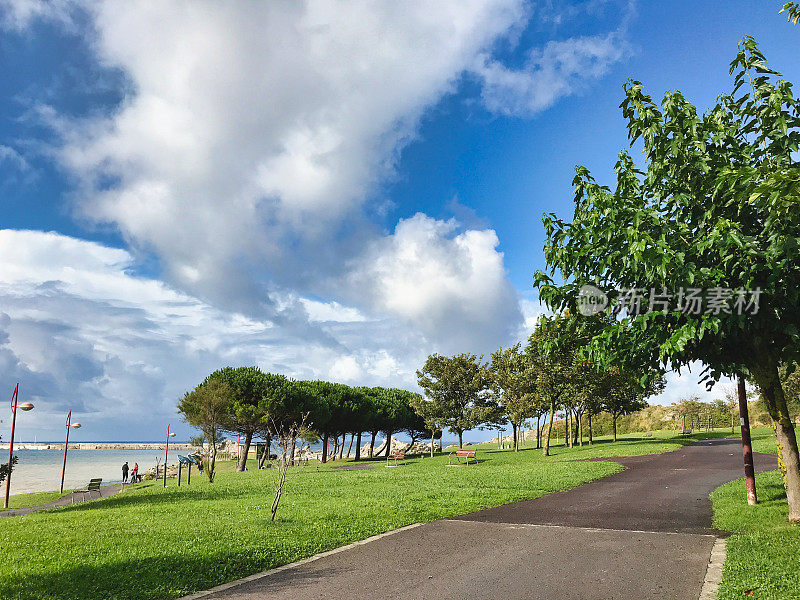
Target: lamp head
[
  {"x": 172, "y": 434},
  {"x": 75, "y": 425},
  {"x": 25, "y": 406}
]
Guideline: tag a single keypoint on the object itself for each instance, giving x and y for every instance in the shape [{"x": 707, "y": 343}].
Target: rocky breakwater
[
  {"x": 100, "y": 446},
  {"x": 398, "y": 446}
]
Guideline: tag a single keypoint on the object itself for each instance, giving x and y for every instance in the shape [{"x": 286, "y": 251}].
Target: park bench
[
  {"x": 395, "y": 457},
  {"x": 686, "y": 432},
  {"x": 459, "y": 454},
  {"x": 648, "y": 434},
  {"x": 94, "y": 486}
]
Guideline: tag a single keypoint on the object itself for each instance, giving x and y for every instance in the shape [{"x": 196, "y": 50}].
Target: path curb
[
  {"x": 714, "y": 571},
  {"x": 298, "y": 563}
]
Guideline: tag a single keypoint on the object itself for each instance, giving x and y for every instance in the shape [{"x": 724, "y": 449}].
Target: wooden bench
[
  {"x": 401, "y": 456},
  {"x": 459, "y": 454},
  {"x": 686, "y": 432},
  {"x": 94, "y": 486}
]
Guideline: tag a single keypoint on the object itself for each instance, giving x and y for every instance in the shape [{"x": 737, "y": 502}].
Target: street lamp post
[
  {"x": 66, "y": 445},
  {"x": 166, "y": 453},
  {"x": 24, "y": 406}
]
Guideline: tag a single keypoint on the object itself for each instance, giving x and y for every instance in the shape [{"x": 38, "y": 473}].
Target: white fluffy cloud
[
  {"x": 450, "y": 285},
  {"x": 252, "y": 135}
]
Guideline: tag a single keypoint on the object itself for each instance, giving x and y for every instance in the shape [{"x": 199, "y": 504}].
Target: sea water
[{"x": 40, "y": 470}]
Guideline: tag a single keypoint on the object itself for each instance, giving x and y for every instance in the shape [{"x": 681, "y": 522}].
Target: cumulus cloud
[
  {"x": 251, "y": 136},
  {"x": 450, "y": 285}
]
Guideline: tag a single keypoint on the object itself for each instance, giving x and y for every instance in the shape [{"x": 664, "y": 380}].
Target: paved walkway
[
  {"x": 644, "y": 533},
  {"x": 74, "y": 497}
]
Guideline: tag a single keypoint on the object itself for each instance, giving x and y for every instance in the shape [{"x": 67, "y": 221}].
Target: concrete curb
[
  {"x": 298, "y": 563},
  {"x": 714, "y": 571}
]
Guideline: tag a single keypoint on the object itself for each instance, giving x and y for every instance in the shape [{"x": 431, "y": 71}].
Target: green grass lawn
[
  {"x": 150, "y": 542},
  {"x": 763, "y": 554}
]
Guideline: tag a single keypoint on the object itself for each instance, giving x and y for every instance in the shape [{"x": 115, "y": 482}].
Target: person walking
[
  {"x": 135, "y": 472},
  {"x": 125, "y": 472}
]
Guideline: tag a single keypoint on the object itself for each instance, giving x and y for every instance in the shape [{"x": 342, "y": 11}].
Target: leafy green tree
[
  {"x": 626, "y": 392},
  {"x": 252, "y": 394},
  {"x": 512, "y": 383},
  {"x": 432, "y": 413},
  {"x": 459, "y": 385},
  {"x": 716, "y": 207},
  {"x": 207, "y": 408},
  {"x": 553, "y": 354}
]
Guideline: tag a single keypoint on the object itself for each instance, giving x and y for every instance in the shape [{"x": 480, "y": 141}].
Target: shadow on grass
[{"x": 151, "y": 578}]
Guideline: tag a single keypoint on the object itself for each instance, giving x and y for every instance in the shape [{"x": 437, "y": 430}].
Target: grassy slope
[
  {"x": 32, "y": 499},
  {"x": 152, "y": 542},
  {"x": 763, "y": 554}
]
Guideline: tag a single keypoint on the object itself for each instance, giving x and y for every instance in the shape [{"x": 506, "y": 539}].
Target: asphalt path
[{"x": 644, "y": 533}]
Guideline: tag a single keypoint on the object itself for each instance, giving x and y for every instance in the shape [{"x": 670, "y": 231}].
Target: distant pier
[{"x": 100, "y": 446}]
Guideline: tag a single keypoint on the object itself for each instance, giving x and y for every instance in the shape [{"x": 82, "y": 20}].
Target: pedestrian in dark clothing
[{"x": 125, "y": 472}]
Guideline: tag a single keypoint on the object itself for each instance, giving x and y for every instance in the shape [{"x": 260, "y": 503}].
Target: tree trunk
[
  {"x": 358, "y": 447},
  {"x": 265, "y": 456},
  {"x": 580, "y": 431},
  {"x": 460, "y": 439},
  {"x": 538, "y": 432},
  {"x": 212, "y": 461},
  {"x": 372, "y": 443},
  {"x": 614, "y": 425},
  {"x": 335, "y": 447},
  {"x": 350, "y": 447},
  {"x": 567, "y": 427},
  {"x": 325, "y": 446},
  {"x": 388, "y": 442},
  {"x": 589, "y": 419},
  {"x": 514, "y": 433},
  {"x": 576, "y": 426},
  {"x": 248, "y": 438},
  {"x": 772, "y": 391},
  {"x": 291, "y": 451},
  {"x": 433, "y": 439},
  {"x": 546, "y": 444}
]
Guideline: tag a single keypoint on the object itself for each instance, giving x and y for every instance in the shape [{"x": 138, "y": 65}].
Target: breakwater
[{"x": 177, "y": 446}]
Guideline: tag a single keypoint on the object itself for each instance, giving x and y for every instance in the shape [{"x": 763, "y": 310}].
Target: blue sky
[{"x": 325, "y": 191}]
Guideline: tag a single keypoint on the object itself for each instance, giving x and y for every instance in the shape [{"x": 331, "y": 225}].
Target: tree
[
  {"x": 626, "y": 392},
  {"x": 458, "y": 384},
  {"x": 552, "y": 353},
  {"x": 512, "y": 381},
  {"x": 432, "y": 413},
  {"x": 286, "y": 432},
  {"x": 716, "y": 207},
  {"x": 206, "y": 407},
  {"x": 252, "y": 394}
]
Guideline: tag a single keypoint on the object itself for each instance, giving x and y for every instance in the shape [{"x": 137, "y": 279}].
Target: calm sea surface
[{"x": 40, "y": 470}]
